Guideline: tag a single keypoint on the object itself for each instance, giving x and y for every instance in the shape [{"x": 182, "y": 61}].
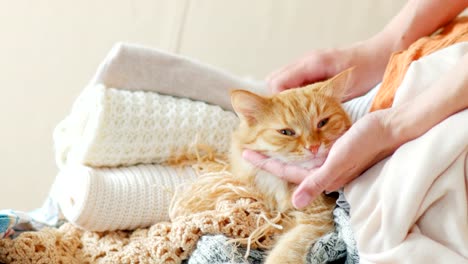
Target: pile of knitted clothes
[{"x": 116, "y": 152}]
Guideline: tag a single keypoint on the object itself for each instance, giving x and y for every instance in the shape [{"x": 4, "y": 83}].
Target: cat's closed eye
[
  {"x": 287, "y": 132},
  {"x": 322, "y": 122}
]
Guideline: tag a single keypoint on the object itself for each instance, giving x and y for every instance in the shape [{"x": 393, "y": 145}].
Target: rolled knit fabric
[
  {"x": 111, "y": 127},
  {"x": 118, "y": 198}
]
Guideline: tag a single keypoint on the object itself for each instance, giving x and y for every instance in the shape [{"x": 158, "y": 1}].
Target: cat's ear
[
  {"x": 247, "y": 105},
  {"x": 337, "y": 85}
]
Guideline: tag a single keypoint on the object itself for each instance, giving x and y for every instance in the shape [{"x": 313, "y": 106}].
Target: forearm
[
  {"x": 418, "y": 18},
  {"x": 445, "y": 97}
]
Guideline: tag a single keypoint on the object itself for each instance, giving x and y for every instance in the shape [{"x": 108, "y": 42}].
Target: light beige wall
[
  {"x": 50, "y": 49},
  {"x": 256, "y": 37}
]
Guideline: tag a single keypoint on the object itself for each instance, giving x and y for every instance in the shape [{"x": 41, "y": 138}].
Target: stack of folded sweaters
[{"x": 126, "y": 124}]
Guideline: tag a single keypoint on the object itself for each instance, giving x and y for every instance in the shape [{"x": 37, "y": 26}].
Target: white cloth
[{"x": 412, "y": 207}]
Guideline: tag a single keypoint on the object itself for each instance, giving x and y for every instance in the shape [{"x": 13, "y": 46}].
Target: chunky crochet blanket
[
  {"x": 69, "y": 244},
  {"x": 161, "y": 243},
  {"x": 165, "y": 243}
]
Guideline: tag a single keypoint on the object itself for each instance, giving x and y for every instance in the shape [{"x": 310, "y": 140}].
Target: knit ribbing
[{"x": 118, "y": 198}]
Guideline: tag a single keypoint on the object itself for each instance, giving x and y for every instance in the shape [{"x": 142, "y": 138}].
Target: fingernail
[
  {"x": 246, "y": 153},
  {"x": 301, "y": 200}
]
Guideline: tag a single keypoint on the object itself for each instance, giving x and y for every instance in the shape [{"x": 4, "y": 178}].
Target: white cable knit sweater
[{"x": 123, "y": 128}]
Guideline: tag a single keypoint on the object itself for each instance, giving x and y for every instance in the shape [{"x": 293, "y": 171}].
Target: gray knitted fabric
[
  {"x": 338, "y": 246},
  {"x": 215, "y": 249}
]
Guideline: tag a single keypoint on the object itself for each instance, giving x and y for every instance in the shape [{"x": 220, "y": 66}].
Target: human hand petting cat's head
[{"x": 368, "y": 60}]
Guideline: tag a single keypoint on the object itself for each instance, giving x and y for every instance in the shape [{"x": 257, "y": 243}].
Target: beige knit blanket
[{"x": 160, "y": 243}]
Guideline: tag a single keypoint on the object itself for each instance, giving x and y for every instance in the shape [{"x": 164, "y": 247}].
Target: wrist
[
  {"x": 370, "y": 58},
  {"x": 389, "y": 136},
  {"x": 398, "y": 125},
  {"x": 391, "y": 40}
]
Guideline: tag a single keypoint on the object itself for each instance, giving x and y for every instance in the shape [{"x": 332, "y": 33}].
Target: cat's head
[{"x": 296, "y": 125}]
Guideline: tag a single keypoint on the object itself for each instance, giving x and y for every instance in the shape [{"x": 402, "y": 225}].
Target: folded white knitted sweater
[{"x": 111, "y": 127}]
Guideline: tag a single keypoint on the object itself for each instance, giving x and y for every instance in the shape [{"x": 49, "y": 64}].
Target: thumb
[{"x": 312, "y": 186}]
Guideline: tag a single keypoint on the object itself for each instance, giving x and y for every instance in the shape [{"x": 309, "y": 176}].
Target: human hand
[
  {"x": 368, "y": 141},
  {"x": 369, "y": 59}
]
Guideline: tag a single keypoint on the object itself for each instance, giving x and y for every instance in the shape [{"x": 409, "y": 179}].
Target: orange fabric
[{"x": 455, "y": 32}]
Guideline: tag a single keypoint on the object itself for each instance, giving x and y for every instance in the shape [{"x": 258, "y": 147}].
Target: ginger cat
[{"x": 296, "y": 126}]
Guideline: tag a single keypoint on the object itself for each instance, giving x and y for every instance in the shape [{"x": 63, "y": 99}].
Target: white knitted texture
[
  {"x": 360, "y": 106},
  {"x": 111, "y": 127},
  {"x": 118, "y": 198}
]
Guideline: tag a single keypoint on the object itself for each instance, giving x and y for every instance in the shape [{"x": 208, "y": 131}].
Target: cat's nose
[{"x": 314, "y": 148}]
